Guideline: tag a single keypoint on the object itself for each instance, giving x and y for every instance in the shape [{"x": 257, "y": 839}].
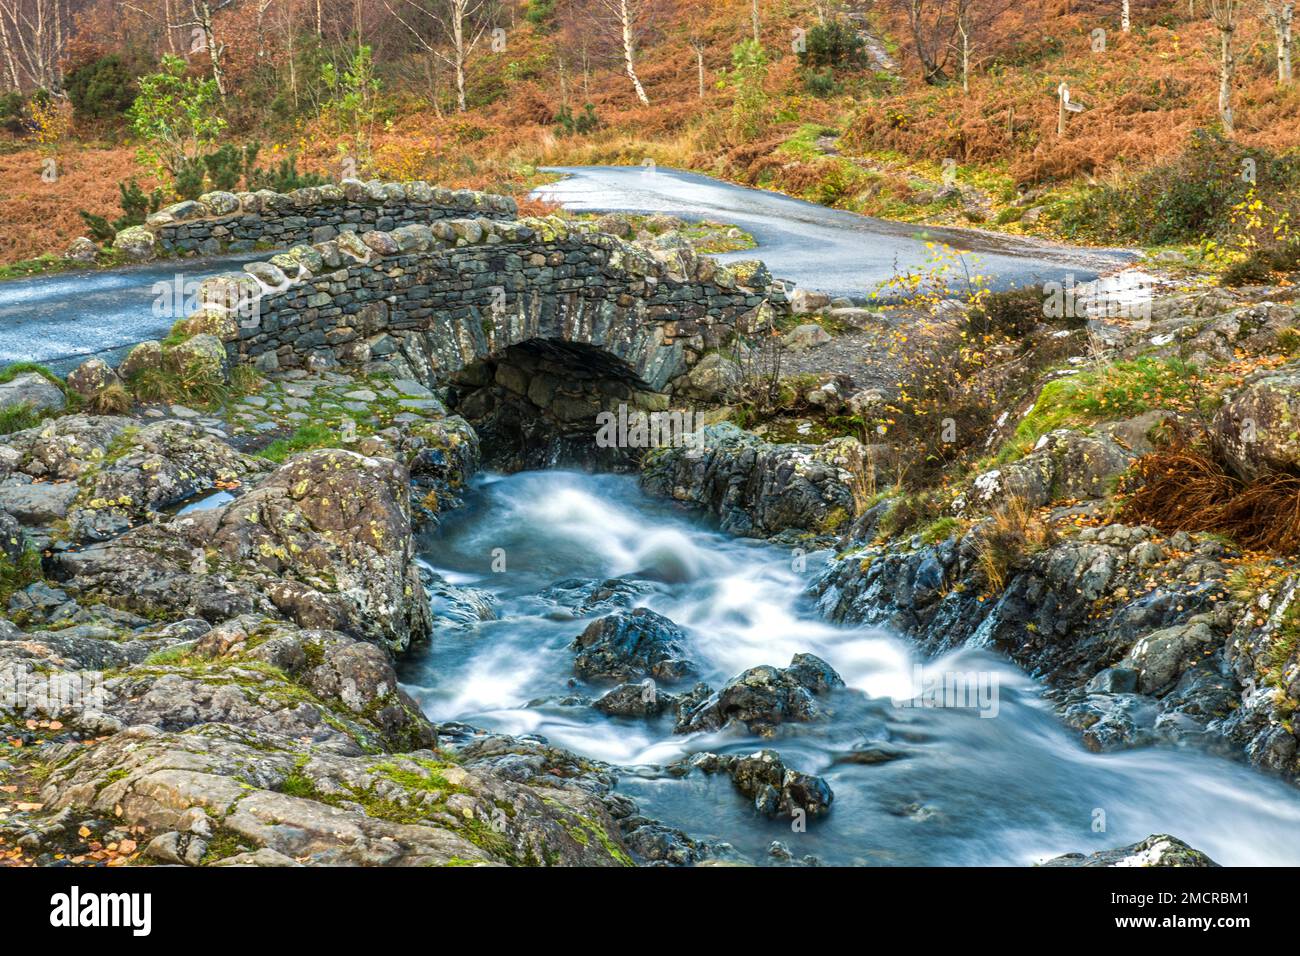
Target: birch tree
[
  {"x": 203, "y": 35},
  {"x": 699, "y": 45},
  {"x": 33, "y": 34},
  {"x": 1225, "y": 14},
  {"x": 1280, "y": 15},
  {"x": 626, "y": 20},
  {"x": 450, "y": 30}
]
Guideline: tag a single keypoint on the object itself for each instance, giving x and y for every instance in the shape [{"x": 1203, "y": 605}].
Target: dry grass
[
  {"x": 1013, "y": 532},
  {"x": 113, "y": 399},
  {"x": 40, "y": 217},
  {"x": 1187, "y": 489},
  {"x": 1145, "y": 95}
]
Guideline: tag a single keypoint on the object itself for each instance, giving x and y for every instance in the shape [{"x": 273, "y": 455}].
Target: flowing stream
[{"x": 968, "y": 789}]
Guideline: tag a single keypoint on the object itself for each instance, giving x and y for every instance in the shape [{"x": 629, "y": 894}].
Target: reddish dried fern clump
[{"x": 1187, "y": 489}]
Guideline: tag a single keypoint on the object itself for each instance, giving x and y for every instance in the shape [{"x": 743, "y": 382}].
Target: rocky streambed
[
  {"x": 218, "y": 650},
  {"x": 366, "y": 656}
]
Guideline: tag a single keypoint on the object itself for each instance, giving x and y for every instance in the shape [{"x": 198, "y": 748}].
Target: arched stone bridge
[{"x": 544, "y": 315}]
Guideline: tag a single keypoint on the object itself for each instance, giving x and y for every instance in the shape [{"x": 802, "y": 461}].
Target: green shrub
[
  {"x": 136, "y": 207},
  {"x": 835, "y": 45},
  {"x": 581, "y": 123},
  {"x": 1184, "y": 200},
  {"x": 284, "y": 177},
  {"x": 820, "y": 82},
  {"x": 540, "y": 12},
  {"x": 101, "y": 89}
]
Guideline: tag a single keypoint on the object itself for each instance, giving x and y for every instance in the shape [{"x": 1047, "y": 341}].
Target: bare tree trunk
[
  {"x": 699, "y": 46},
  {"x": 629, "y": 50},
  {"x": 753, "y": 13},
  {"x": 1126, "y": 20},
  {"x": 167, "y": 26},
  {"x": 1224, "y": 13},
  {"x": 10, "y": 60},
  {"x": 963, "y": 30},
  {"x": 202, "y": 13},
  {"x": 1281, "y": 16},
  {"x": 458, "y": 48}
]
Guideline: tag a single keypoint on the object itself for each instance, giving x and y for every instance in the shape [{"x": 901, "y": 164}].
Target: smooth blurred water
[{"x": 970, "y": 790}]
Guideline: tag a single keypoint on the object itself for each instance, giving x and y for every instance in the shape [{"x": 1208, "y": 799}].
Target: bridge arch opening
[{"x": 545, "y": 403}]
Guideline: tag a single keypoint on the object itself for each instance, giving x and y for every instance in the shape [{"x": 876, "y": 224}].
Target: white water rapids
[{"x": 968, "y": 790}]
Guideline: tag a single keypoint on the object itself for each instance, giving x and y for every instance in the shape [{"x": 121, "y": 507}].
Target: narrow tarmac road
[{"x": 834, "y": 251}]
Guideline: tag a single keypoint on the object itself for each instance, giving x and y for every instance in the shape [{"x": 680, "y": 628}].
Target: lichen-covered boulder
[
  {"x": 325, "y": 542},
  {"x": 715, "y": 379},
  {"x": 220, "y": 323},
  {"x": 61, "y": 449},
  {"x": 758, "y": 489},
  {"x": 136, "y": 242},
  {"x": 1259, "y": 428},
  {"x": 202, "y": 354},
  {"x": 340, "y": 525},
  {"x": 273, "y": 677},
  {"x": 616, "y": 224},
  {"x": 1064, "y": 465},
  {"x": 145, "y": 357},
  {"x": 33, "y": 390},
  {"x": 82, "y": 249},
  {"x": 381, "y": 242},
  {"x": 92, "y": 377},
  {"x": 151, "y": 469},
  {"x": 751, "y": 273},
  {"x": 351, "y": 244},
  {"x": 804, "y": 337},
  {"x": 807, "y": 302},
  {"x": 220, "y": 203},
  {"x": 216, "y": 793}
]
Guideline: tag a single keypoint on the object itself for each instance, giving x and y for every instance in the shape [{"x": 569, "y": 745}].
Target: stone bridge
[
  {"x": 242, "y": 222},
  {"x": 533, "y": 326}
]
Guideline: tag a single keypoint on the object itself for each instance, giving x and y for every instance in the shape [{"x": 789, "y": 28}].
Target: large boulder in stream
[
  {"x": 762, "y": 698},
  {"x": 630, "y": 645}
]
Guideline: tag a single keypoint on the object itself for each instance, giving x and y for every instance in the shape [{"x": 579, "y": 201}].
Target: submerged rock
[
  {"x": 636, "y": 700},
  {"x": 583, "y": 597}
]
